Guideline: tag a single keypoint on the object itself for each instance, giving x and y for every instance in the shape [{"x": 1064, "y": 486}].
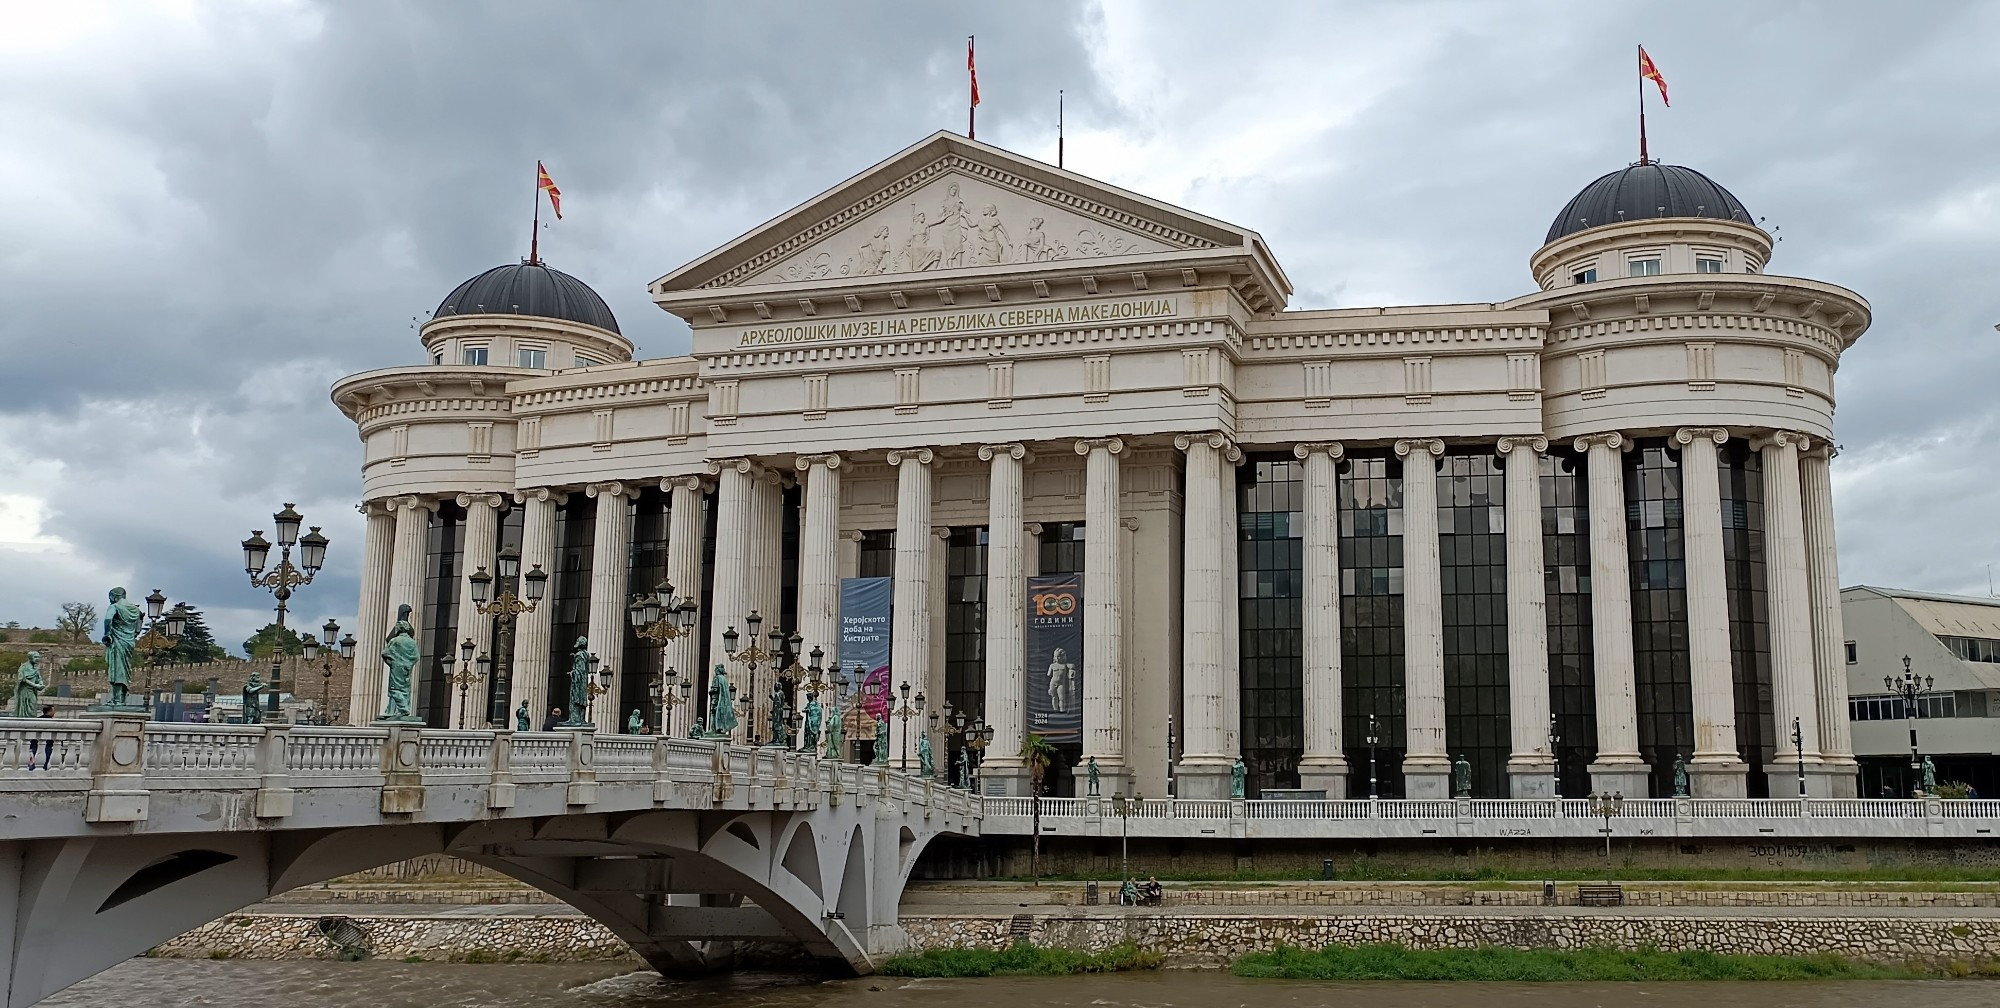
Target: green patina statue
[
  {"x": 882, "y": 739},
  {"x": 120, "y": 639},
  {"x": 1092, "y": 773},
  {"x": 253, "y": 695},
  {"x": 579, "y": 684},
  {"x": 521, "y": 719},
  {"x": 28, "y": 686},
  {"x": 1461, "y": 778},
  {"x": 836, "y": 732},
  {"x": 400, "y": 654},
  {"x": 1930, "y": 776},
  {"x": 810, "y": 742},
  {"x": 925, "y": 764},
  {"x": 635, "y": 722},
  {"x": 721, "y": 703},
  {"x": 1237, "y": 776},
  {"x": 1680, "y": 777}
]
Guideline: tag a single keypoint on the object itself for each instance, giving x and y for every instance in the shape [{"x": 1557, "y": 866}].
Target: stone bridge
[{"x": 117, "y": 834}]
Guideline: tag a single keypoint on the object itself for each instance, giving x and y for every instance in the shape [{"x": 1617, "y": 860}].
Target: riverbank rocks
[{"x": 512, "y": 938}]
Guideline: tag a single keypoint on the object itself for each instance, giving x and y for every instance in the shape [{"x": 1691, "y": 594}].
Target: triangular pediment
[{"x": 949, "y": 205}]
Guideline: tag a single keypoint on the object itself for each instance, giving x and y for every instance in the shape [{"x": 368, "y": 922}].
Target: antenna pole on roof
[
  {"x": 535, "y": 229},
  {"x": 1059, "y": 128}
]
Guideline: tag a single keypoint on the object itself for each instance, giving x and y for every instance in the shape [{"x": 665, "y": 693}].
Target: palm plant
[{"x": 1037, "y": 753}]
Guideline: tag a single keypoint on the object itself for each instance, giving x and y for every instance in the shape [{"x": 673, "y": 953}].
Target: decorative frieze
[
  {"x": 1416, "y": 380},
  {"x": 999, "y": 384},
  {"x": 1097, "y": 378},
  {"x": 909, "y": 394},
  {"x": 479, "y": 443},
  {"x": 815, "y": 396},
  {"x": 601, "y": 430}
]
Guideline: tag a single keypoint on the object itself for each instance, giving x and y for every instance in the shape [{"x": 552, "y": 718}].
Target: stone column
[
  {"x": 1208, "y": 737},
  {"x": 610, "y": 593},
  {"x": 910, "y": 620},
  {"x": 1006, "y": 619},
  {"x": 1531, "y": 767},
  {"x": 1617, "y": 767},
  {"x": 406, "y": 586},
  {"x": 529, "y": 669},
  {"x": 1836, "y": 743},
  {"x": 1321, "y": 766},
  {"x": 1793, "y": 681},
  {"x": 730, "y": 601},
  {"x": 819, "y": 548},
  {"x": 683, "y": 653},
  {"x": 1426, "y": 766},
  {"x": 372, "y": 614},
  {"x": 1716, "y": 771},
  {"x": 1103, "y": 627},
  {"x": 482, "y": 513}
]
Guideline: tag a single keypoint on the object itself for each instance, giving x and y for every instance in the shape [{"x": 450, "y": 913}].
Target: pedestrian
[
  {"x": 1971, "y": 792},
  {"x": 555, "y": 719},
  {"x": 48, "y": 744}
]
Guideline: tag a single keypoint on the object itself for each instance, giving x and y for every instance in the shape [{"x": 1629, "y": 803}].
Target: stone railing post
[
  {"x": 274, "y": 782},
  {"x": 402, "y": 769},
  {"x": 118, "y": 771},
  {"x": 719, "y": 762},
  {"x": 663, "y": 784},
  {"x": 582, "y": 768},
  {"x": 500, "y": 771}
]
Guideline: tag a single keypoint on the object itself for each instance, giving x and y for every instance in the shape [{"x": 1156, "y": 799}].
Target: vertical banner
[
  {"x": 864, "y": 634},
  {"x": 1054, "y": 655}
]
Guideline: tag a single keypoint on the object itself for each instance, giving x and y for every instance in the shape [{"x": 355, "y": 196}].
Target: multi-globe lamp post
[
  {"x": 1912, "y": 688},
  {"x": 904, "y": 713},
  {"x": 505, "y": 608},
  {"x": 164, "y": 628},
  {"x": 751, "y": 658},
  {"x": 663, "y": 617},
  {"x": 282, "y": 579},
  {"x": 330, "y": 642}
]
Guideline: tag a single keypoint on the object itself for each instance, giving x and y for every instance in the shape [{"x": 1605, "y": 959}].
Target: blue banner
[
  {"x": 1055, "y": 657},
  {"x": 865, "y": 604}
]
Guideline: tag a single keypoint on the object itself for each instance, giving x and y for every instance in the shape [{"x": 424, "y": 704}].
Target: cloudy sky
[{"x": 216, "y": 209}]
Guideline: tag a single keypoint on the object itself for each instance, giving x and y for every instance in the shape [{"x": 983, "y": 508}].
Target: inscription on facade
[{"x": 937, "y": 323}]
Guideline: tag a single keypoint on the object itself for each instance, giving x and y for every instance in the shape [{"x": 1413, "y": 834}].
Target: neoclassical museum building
[{"x": 1060, "y": 456}]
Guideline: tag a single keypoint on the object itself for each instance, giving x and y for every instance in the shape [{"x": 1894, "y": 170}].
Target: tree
[
  {"x": 78, "y": 620},
  {"x": 197, "y": 645},
  {"x": 273, "y": 638},
  {"x": 1037, "y": 753}
]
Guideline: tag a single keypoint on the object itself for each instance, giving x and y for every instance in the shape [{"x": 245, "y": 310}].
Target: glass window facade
[
  {"x": 1657, "y": 553},
  {"x": 1979, "y": 649},
  {"x": 1369, "y": 495},
  {"x": 534, "y": 358},
  {"x": 473, "y": 355},
  {"x": 1643, "y": 267},
  {"x": 568, "y": 593},
  {"x": 1060, "y": 551},
  {"x": 1566, "y": 579},
  {"x": 1270, "y": 560},
  {"x": 877, "y": 555},
  {"x": 1472, "y": 551},
  {"x": 965, "y": 620},
  {"x": 1893, "y": 708},
  {"x": 437, "y": 623},
  {"x": 1741, "y": 476},
  {"x": 647, "y": 568}
]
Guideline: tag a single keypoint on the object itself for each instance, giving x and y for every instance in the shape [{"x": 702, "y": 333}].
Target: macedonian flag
[
  {"x": 1647, "y": 71},
  {"x": 548, "y": 185}
]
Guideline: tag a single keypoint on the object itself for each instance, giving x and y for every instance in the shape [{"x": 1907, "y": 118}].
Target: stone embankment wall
[
  {"x": 552, "y": 938},
  {"x": 1215, "y": 939},
  {"x": 1305, "y": 894}
]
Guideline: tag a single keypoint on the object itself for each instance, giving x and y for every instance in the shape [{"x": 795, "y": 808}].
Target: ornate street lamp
[
  {"x": 977, "y": 738},
  {"x": 750, "y": 658},
  {"x": 283, "y": 578},
  {"x": 670, "y": 691},
  {"x": 504, "y": 609},
  {"x": 1912, "y": 688},
  {"x": 663, "y": 617},
  {"x": 164, "y": 628},
  {"x": 904, "y": 713},
  {"x": 467, "y": 674},
  {"x": 1799, "y": 748},
  {"x": 1555, "y": 763},
  {"x": 1125, "y": 809},
  {"x": 593, "y": 687},
  {"x": 1374, "y": 739},
  {"x": 330, "y": 642},
  {"x": 1607, "y": 805}
]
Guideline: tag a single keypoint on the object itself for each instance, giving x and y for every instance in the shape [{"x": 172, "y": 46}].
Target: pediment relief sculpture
[{"x": 954, "y": 223}]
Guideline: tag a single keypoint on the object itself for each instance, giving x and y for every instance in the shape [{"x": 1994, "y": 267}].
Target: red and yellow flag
[
  {"x": 548, "y": 185},
  {"x": 972, "y": 72},
  {"x": 1647, "y": 71}
]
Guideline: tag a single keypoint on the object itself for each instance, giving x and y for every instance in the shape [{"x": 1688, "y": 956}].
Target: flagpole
[
  {"x": 1059, "y": 128},
  {"x": 972, "y": 87},
  {"x": 1642, "y": 104},
  {"x": 535, "y": 229}
]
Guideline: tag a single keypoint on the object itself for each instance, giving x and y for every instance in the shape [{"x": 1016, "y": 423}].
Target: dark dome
[
  {"x": 1640, "y": 191},
  {"x": 528, "y": 289}
]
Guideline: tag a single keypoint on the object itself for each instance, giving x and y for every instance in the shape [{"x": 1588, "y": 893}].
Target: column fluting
[
  {"x": 1531, "y": 766},
  {"x": 482, "y": 514},
  {"x": 372, "y": 613},
  {"x": 610, "y": 581},
  {"x": 683, "y": 653},
  {"x": 731, "y": 599},
  {"x": 910, "y": 623},
  {"x": 1792, "y": 677},
  {"x": 1836, "y": 742},
  {"x": 1103, "y": 628},
  {"x": 1716, "y": 771},
  {"x": 1426, "y": 766},
  {"x": 819, "y": 547},
  {"x": 1617, "y": 767},
  {"x": 1207, "y": 741},
  {"x": 1006, "y": 617},
  {"x": 406, "y": 588},
  {"x": 1321, "y": 765},
  {"x": 529, "y": 668}
]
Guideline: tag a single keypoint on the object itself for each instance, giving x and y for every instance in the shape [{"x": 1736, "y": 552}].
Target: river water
[{"x": 161, "y": 983}]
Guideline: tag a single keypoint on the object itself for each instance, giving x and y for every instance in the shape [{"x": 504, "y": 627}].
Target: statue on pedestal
[
  {"x": 1237, "y": 773},
  {"x": 722, "y": 703},
  {"x": 1930, "y": 777},
  {"x": 521, "y": 720},
  {"x": 1680, "y": 777},
  {"x": 811, "y": 741},
  {"x": 781, "y": 716},
  {"x": 28, "y": 686},
  {"x": 579, "y": 684},
  {"x": 836, "y": 735},
  {"x": 926, "y": 766},
  {"x": 635, "y": 722},
  {"x": 120, "y": 639},
  {"x": 882, "y": 739},
  {"x": 400, "y": 654},
  {"x": 1461, "y": 778},
  {"x": 1090, "y": 768},
  {"x": 253, "y": 695}
]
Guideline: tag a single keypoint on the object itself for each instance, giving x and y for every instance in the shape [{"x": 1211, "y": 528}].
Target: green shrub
[{"x": 1021, "y": 959}]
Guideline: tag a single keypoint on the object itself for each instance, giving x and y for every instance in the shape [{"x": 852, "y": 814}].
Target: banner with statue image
[{"x": 1054, "y": 655}]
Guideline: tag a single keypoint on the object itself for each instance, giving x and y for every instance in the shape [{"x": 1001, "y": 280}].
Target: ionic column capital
[
  {"x": 1614, "y": 440},
  {"x": 1825, "y": 451},
  {"x": 412, "y": 502},
  {"x": 384, "y": 506},
  {"x": 1782, "y": 439},
  {"x": 850, "y": 535},
  {"x": 541, "y": 495},
  {"x": 1534, "y": 443},
  {"x": 1084, "y": 446},
  {"x": 804, "y": 463},
  {"x": 921, "y": 456},
  {"x": 1405, "y": 446},
  {"x": 690, "y": 482},
  {"x": 614, "y": 488},
  {"x": 717, "y": 467},
  {"x": 1218, "y": 441},
  {"x": 941, "y": 531},
  {"x": 1013, "y": 449},
  {"x": 1128, "y": 523},
  {"x": 492, "y": 500},
  {"x": 1331, "y": 449},
  {"x": 1687, "y": 435},
  {"x": 1032, "y": 528}
]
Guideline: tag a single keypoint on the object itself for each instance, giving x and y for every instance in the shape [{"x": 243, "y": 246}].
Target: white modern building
[
  {"x": 1122, "y": 495},
  {"x": 1951, "y": 645}
]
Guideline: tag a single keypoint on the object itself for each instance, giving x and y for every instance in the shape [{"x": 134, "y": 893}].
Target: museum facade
[{"x": 1059, "y": 455}]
